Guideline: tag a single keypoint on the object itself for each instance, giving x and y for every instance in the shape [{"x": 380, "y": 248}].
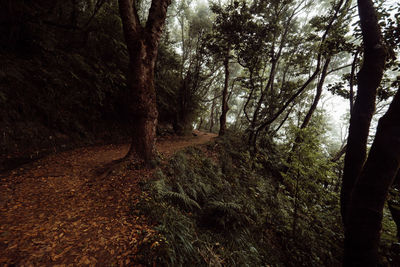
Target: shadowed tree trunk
[
  {"x": 394, "y": 205},
  {"x": 212, "y": 116},
  {"x": 142, "y": 43},
  {"x": 364, "y": 218},
  {"x": 369, "y": 78},
  {"x": 365, "y": 187},
  {"x": 224, "y": 105}
]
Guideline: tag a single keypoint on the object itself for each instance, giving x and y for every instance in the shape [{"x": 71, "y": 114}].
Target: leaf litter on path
[{"x": 57, "y": 211}]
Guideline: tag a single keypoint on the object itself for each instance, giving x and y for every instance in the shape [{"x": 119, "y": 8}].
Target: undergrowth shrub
[{"x": 230, "y": 211}]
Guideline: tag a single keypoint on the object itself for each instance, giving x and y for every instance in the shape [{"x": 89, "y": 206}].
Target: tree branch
[
  {"x": 156, "y": 18},
  {"x": 130, "y": 18}
]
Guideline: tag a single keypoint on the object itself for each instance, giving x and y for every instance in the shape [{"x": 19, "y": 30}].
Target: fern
[
  {"x": 182, "y": 200},
  {"x": 228, "y": 208},
  {"x": 225, "y": 215}
]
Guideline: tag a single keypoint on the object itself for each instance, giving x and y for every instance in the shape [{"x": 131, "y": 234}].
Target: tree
[
  {"x": 142, "y": 43},
  {"x": 224, "y": 104},
  {"x": 196, "y": 73},
  {"x": 364, "y": 214},
  {"x": 220, "y": 46},
  {"x": 365, "y": 185},
  {"x": 369, "y": 78}
]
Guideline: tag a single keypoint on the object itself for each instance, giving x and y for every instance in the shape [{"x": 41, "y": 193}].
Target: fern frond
[{"x": 182, "y": 200}]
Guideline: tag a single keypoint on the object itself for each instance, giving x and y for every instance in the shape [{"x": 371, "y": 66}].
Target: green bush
[{"x": 234, "y": 211}]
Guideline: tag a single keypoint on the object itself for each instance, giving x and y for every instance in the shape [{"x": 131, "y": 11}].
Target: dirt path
[{"x": 57, "y": 211}]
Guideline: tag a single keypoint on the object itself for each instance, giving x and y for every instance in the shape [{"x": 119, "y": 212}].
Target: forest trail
[{"x": 58, "y": 211}]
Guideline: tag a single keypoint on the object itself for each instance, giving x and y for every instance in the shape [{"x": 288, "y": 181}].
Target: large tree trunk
[
  {"x": 369, "y": 78},
  {"x": 364, "y": 217},
  {"x": 143, "y": 109},
  {"x": 225, "y": 108},
  {"x": 142, "y": 43}
]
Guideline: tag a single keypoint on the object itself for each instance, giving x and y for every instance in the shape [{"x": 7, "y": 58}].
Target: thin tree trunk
[
  {"x": 201, "y": 123},
  {"x": 252, "y": 89},
  {"x": 224, "y": 105},
  {"x": 369, "y": 78},
  {"x": 212, "y": 115},
  {"x": 339, "y": 154},
  {"x": 339, "y": 12},
  {"x": 142, "y": 43},
  {"x": 313, "y": 107},
  {"x": 318, "y": 94}
]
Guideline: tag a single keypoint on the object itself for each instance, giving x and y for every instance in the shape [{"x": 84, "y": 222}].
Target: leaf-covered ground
[{"x": 60, "y": 211}]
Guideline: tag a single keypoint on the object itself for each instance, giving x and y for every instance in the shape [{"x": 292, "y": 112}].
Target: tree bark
[
  {"x": 394, "y": 205},
  {"x": 353, "y": 69},
  {"x": 142, "y": 43},
  {"x": 369, "y": 78},
  {"x": 364, "y": 216},
  {"x": 225, "y": 108},
  {"x": 212, "y": 116}
]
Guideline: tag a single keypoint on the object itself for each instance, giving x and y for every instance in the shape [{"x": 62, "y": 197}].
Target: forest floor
[{"x": 58, "y": 211}]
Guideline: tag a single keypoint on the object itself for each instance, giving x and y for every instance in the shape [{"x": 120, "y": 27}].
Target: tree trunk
[
  {"x": 143, "y": 110},
  {"x": 339, "y": 12},
  {"x": 212, "y": 115},
  {"x": 394, "y": 205},
  {"x": 224, "y": 105},
  {"x": 201, "y": 123},
  {"x": 183, "y": 122},
  {"x": 353, "y": 69},
  {"x": 369, "y": 78},
  {"x": 364, "y": 216},
  {"x": 318, "y": 94},
  {"x": 142, "y": 43}
]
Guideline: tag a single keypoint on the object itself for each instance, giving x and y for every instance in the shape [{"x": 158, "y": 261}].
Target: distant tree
[
  {"x": 195, "y": 70},
  {"x": 220, "y": 46},
  {"x": 224, "y": 104},
  {"x": 142, "y": 43}
]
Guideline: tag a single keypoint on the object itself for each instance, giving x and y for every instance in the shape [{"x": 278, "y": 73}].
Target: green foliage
[
  {"x": 310, "y": 184},
  {"x": 167, "y": 82},
  {"x": 239, "y": 211}
]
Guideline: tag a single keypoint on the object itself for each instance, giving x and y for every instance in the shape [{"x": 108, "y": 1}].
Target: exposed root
[{"x": 120, "y": 165}]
